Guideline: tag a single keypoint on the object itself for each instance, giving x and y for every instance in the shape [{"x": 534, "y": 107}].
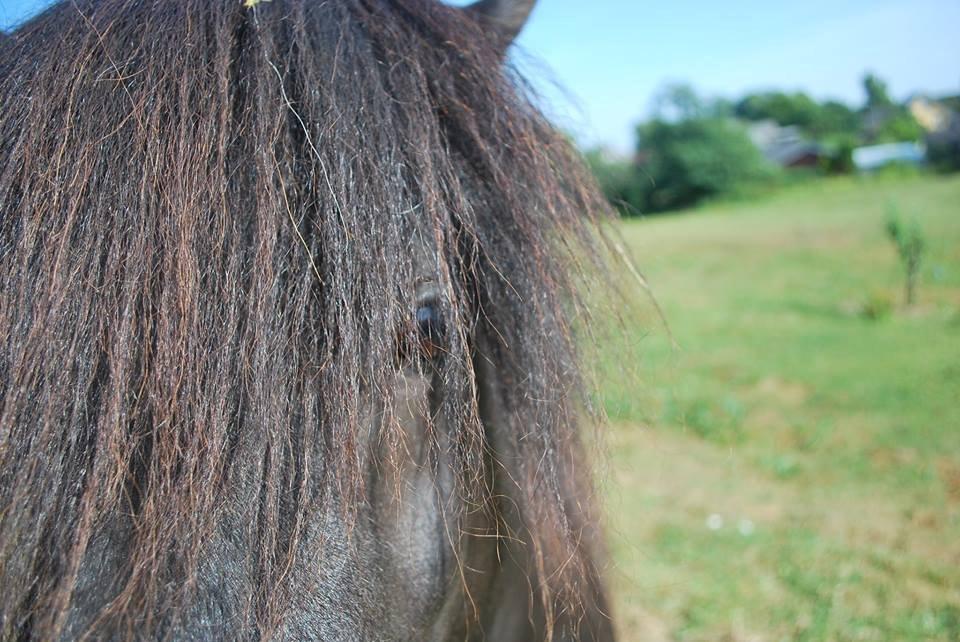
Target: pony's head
[{"x": 286, "y": 316}]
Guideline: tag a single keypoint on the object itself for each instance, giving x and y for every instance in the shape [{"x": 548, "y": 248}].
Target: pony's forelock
[{"x": 209, "y": 217}]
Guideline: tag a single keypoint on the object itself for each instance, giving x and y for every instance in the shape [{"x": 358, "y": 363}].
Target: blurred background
[{"x": 784, "y": 453}]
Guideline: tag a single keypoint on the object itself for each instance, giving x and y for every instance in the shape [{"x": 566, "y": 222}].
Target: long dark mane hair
[{"x": 205, "y": 266}]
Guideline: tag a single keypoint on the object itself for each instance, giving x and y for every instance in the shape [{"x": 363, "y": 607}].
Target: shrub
[
  {"x": 877, "y": 306},
  {"x": 694, "y": 159},
  {"x": 910, "y": 244}
]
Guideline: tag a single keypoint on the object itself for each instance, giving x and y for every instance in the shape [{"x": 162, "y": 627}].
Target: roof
[{"x": 781, "y": 145}]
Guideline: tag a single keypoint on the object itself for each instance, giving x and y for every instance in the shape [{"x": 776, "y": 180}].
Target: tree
[
  {"x": 677, "y": 102},
  {"x": 885, "y": 121},
  {"x": 878, "y": 95},
  {"x": 691, "y": 150},
  {"x": 697, "y": 158},
  {"x": 785, "y": 109},
  {"x": 835, "y": 119},
  {"x": 901, "y": 126}
]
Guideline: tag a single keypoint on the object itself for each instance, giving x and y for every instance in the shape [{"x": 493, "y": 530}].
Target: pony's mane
[{"x": 205, "y": 258}]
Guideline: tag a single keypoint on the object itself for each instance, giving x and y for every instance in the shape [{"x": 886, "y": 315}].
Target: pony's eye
[
  {"x": 431, "y": 329},
  {"x": 425, "y": 338}
]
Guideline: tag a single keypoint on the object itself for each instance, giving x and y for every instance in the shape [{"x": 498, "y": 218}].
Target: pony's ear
[{"x": 507, "y": 17}]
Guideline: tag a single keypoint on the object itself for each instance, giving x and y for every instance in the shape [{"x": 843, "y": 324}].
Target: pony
[{"x": 288, "y": 328}]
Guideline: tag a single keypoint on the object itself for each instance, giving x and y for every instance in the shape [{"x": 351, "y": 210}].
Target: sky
[{"x": 611, "y": 57}]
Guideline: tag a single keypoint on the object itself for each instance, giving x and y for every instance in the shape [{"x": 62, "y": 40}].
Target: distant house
[
  {"x": 874, "y": 157},
  {"x": 933, "y": 115},
  {"x": 784, "y": 146},
  {"x": 940, "y": 117},
  {"x": 799, "y": 154}
]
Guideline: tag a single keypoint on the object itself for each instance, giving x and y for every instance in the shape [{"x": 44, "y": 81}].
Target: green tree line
[{"x": 693, "y": 148}]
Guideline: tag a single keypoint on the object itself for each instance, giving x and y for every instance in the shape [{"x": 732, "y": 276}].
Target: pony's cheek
[{"x": 410, "y": 499}]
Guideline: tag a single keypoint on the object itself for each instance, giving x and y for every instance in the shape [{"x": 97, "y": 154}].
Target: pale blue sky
[{"x": 611, "y": 56}]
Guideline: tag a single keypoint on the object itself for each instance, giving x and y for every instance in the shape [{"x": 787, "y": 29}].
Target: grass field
[{"x": 790, "y": 471}]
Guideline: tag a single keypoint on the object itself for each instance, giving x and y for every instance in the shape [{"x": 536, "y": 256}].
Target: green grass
[{"x": 805, "y": 407}]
